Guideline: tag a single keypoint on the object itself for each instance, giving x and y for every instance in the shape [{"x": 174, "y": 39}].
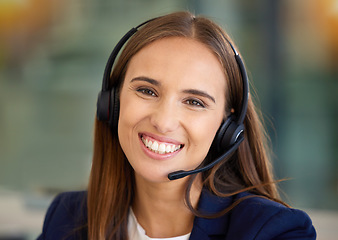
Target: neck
[{"x": 160, "y": 208}]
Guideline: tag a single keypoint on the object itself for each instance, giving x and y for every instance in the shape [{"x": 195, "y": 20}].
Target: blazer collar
[{"x": 209, "y": 204}]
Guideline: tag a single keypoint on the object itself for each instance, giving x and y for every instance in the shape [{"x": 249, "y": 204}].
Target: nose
[{"x": 165, "y": 117}]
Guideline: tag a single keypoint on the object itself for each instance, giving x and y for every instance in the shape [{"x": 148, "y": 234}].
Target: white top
[{"x": 136, "y": 232}]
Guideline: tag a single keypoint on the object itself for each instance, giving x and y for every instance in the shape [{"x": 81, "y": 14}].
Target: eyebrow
[
  {"x": 200, "y": 93},
  {"x": 146, "y": 79},
  {"x": 189, "y": 91}
]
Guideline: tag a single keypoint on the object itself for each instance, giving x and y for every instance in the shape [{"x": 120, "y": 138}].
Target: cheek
[
  {"x": 126, "y": 121},
  {"x": 203, "y": 132},
  {"x": 132, "y": 117}
]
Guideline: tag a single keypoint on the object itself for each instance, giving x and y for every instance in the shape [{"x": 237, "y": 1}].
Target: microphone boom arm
[{"x": 181, "y": 173}]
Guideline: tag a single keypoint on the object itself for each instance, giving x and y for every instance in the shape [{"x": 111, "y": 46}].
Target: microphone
[{"x": 181, "y": 173}]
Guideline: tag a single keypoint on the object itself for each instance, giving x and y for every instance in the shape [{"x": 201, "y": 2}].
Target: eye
[
  {"x": 146, "y": 91},
  {"x": 195, "y": 103}
]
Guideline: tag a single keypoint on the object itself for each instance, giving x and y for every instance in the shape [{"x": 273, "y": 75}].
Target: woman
[{"x": 177, "y": 99}]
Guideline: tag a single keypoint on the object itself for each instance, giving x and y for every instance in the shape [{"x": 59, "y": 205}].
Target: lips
[{"x": 158, "y": 146}]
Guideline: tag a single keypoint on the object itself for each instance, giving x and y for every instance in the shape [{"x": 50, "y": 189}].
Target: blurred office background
[{"x": 52, "y": 57}]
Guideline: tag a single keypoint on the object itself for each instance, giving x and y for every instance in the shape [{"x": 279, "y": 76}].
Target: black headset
[{"x": 229, "y": 135}]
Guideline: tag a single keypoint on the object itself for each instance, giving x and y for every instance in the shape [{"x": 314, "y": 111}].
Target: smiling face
[{"x": 172, "y": 103}]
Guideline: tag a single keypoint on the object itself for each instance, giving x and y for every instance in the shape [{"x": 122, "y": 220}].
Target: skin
[{"x": 174, "y": 93}]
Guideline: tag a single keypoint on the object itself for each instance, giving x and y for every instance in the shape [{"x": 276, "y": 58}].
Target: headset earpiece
[
  {"x": 228, "y": 134},
  {"x": 102, "y": 106},
  {"x": 114, "y": 110},
  {"x": 108, "y": 108}
]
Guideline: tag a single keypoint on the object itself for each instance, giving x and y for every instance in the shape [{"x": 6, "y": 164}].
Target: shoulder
[
  {"x": 253, "y": 217},
  {"x": 66, "y": 214},
  {"x": 266, "y": 219}
]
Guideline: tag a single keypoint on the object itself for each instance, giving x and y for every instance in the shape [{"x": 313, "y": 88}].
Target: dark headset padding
[
  {"x": 102, "y": 105},
  {"x": 108, "y": 107},
  {"x": 228, "y": 134},
  {"x": 114, "y": 110}
]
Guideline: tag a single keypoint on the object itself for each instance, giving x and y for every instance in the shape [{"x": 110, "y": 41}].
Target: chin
[{"x": 154, "y": 176}]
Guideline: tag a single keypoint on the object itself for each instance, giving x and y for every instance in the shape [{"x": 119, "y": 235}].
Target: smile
[{"x": 160, "y": 147}]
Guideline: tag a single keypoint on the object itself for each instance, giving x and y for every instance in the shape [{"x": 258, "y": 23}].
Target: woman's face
[{"x": 172, "y": 103}]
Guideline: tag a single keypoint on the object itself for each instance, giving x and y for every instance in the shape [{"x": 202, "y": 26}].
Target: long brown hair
[{"x": 110, "y": 190}]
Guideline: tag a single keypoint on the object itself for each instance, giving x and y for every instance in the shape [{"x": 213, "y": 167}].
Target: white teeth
[
  {"x": 168, "y": 148},
  {"x": 154, "y": 147},
  {"x": 161, "y": 148},
  {"x": 149, "y": 144}
]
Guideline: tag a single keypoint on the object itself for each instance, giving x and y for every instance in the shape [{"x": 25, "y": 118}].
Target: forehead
[{"x": 181, "y": 61}]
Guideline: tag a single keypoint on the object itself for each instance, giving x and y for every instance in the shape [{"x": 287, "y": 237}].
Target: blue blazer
[{"x": 254, "y": 218}]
